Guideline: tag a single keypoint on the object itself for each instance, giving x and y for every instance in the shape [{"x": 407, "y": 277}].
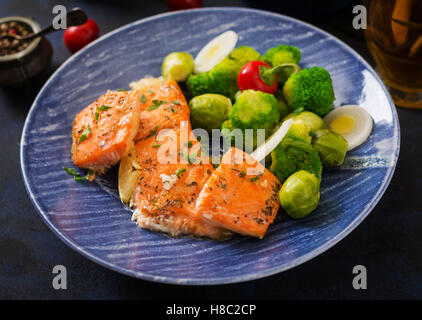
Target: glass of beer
[{"x": 394, "y": 38}]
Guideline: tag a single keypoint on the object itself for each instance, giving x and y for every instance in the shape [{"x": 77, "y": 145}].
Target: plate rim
[{"x": 216, "y": 280}]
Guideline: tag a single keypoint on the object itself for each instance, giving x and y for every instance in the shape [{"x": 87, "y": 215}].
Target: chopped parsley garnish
[
  {"x": 150, "y": 92},
  {"x": 122, "y": 90},
  {"x": 254, "y": 179},
  {"x": 85, "y": 134},
  {"x": 180, "y": 172},
  {"x": 175, "y": 102},
  {"x": 99, "y": 110},
  {"x": 76, "y": 174},
  {"x": 153, "y": 132},
  {"x": 192, "y": 158},
  {"x": 156, "y": 104},
  {"x": 156, "y": 145},
  {"x": 172, "y": 110},
  {"x": 143, "y": 98},
  {"x": 185, "y": 155},
  {"x": 242, "y": 173},
  {"x": 188, "y": 144}
]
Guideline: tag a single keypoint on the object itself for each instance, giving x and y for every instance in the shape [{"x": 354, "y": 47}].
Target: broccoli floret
[
  {"x": 310, "y": 89},
  {"x": 283, "y": 53},
  {"x": 292, "y": 155},
  {"x": 255, "y": 110},
  {"x": 222, "y": 79},
  {"x": 280, "y": 55}
]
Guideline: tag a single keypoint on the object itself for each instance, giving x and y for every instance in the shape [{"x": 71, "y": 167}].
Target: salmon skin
[
  {"x": 241, "y": 195},
  {"x": 171, "y": 177},
  {"x": 104, "y": 131}
]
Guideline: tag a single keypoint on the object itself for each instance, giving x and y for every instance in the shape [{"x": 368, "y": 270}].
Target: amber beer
[{"x": 394, "y": 38}]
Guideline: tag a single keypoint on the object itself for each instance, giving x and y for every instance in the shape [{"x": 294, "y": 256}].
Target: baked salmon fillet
[
  {"x": 166, "y": 190},
  {"x": 241, "y": 195},
  {"x": 104, "y": 131},
  {"x": 163, "y": 105},
  {"x": 168, "y": 164}
]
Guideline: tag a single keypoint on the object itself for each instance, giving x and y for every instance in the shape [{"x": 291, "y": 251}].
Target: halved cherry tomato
[
  {"x": 77, "y": 37},
  {"x": 257, "y": 75}
]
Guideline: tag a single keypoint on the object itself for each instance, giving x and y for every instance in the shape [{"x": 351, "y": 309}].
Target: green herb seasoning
[
  {"x": 156, "y": 145},
  {"x": 76, "y": 174},
  {"x": 85, "y": 134},
  {"x": 150, "y": 92},
  {"x": 176, "y": 102},
  {"x": 188, "y": 144},
  {"x": 242, "y": 173},
  {"x": 99, "y": 110},
  {"x": 156, "y": 104},
  {"x": 192, "y": 158},
  {"x": 180, "y": 172},
  {"x": 254, "y": 179},
  {"x": 122, "y": 90},
  {"x": 143, "y": 98},
  {"x": 152, "y": 132},
  {"x": 185, "y": 155}
]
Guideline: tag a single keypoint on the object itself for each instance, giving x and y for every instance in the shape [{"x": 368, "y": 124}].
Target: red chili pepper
[{"x": 257, "y": 75}]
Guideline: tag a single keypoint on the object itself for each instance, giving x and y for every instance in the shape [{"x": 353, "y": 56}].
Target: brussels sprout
[
  {"x": 292, "y": 155},
  {"x": 331, "y": 147},
  {"x": 299, "y": 195},
  {"x": 313, "y": 121},
  {"x": 209, "y": 111},
  {"x": 177, "y": 66},
  {"x": 299, "y": 131}
]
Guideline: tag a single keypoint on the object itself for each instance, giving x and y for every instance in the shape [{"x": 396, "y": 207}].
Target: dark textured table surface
[{"x": 387, "y": 242}]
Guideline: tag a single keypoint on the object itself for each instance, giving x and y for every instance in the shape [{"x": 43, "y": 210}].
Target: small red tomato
[
  {"x": 184, "y": 4},
  {"x": 254, "y": 75},
  {"x": 13, "y": 31},
  {"x": 77, "y": 37}
]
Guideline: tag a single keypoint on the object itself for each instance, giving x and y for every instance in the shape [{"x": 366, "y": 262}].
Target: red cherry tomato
[
  {"x": 250, "y": 77},
  {"x": 77, "y": 37},
  {"x": 184, "y": 4}
]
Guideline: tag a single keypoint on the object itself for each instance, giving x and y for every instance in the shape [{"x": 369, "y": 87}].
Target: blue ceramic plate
[{"x": 89, "y": 216}]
